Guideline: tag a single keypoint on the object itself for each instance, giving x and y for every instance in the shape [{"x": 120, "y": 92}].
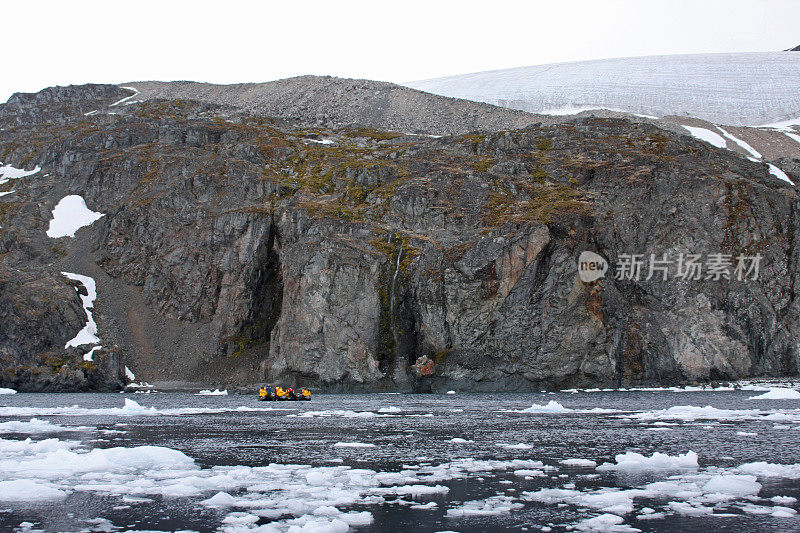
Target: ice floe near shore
[
  {"x": 691, "y": 412},
  {"x": 551, "y": 407},
  {"x": 129, "y": 408},
  {"x": 778, "y": 393},
  {"x": 554, "y": 407},
  {"x": 215, "y": 392}
]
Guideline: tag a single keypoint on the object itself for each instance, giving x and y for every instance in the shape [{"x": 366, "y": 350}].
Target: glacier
[{"x": 738, "y": 89}]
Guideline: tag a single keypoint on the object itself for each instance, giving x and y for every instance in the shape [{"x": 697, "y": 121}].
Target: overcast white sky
[{"x": 64, "y": 42}]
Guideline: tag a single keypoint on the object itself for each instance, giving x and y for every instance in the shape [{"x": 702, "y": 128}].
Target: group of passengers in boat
[{"x": 268, "y": 393}]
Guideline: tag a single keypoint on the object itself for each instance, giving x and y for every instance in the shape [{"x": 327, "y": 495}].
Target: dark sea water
[{"x": 482, "y": 480}]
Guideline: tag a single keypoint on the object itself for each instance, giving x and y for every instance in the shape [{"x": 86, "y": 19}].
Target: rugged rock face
[
  {"x": 335, "y": 102},
  {"x": 236, "y": 248},
  {"x": 39, "y": 311},
  {"x": 59, "y": 103}
]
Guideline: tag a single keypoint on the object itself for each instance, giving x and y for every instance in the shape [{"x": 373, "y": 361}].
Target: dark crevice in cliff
[
  {"x": 267, "y": 299},
  {"x": 397, "y": 328}
]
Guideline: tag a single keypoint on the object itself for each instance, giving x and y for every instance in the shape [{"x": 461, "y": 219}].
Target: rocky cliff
[{"x": 235, "y": 248}]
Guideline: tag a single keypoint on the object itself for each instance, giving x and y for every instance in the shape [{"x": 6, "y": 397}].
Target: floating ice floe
[
  {"x": 764, "y": 469},
  {"x": 129, "y": 408},
  {"x": 607, "y": 522},
  {"x": 88, "y": 335},
  {"x": 70, "y": 215},
  {"x": 4, "y": 390},
  {"x": 459, "y": 440},
  {"x": 733, "y": 485},
  {"x": 490, "y": 506},
  {"x": 606, "y": 499},
  {"x": 414, "y": 491},
  {"x": 389, "y": 409},
  {"x": 35, "y": 427},
  {"x": 140, "y": 385},
  {"x": 518, "y": 446},
  {"x": 215, "y": 392},
  {"x": 691, "y": 412},
  {"x": 353, "y": 445},
  {"x": 335, "y": 413},
  {"x": 633, "y": 461},
  {"x": 551, "y": 407},
  {"x": 578, "y": 462},
  {"x": 20, "y": 490}
]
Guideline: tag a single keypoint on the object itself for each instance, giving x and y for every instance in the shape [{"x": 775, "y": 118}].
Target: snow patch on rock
[
  {"x": 70, "y": 215},
  {"x": 88, "y": 335},
  {"x": 708, "y": 136}
]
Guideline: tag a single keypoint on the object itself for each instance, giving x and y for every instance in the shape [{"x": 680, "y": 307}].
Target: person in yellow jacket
[{"x": 280, "y": 393}]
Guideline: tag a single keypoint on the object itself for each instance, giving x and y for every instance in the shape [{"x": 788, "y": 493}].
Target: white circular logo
[{"x": 591, "y": 267}]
